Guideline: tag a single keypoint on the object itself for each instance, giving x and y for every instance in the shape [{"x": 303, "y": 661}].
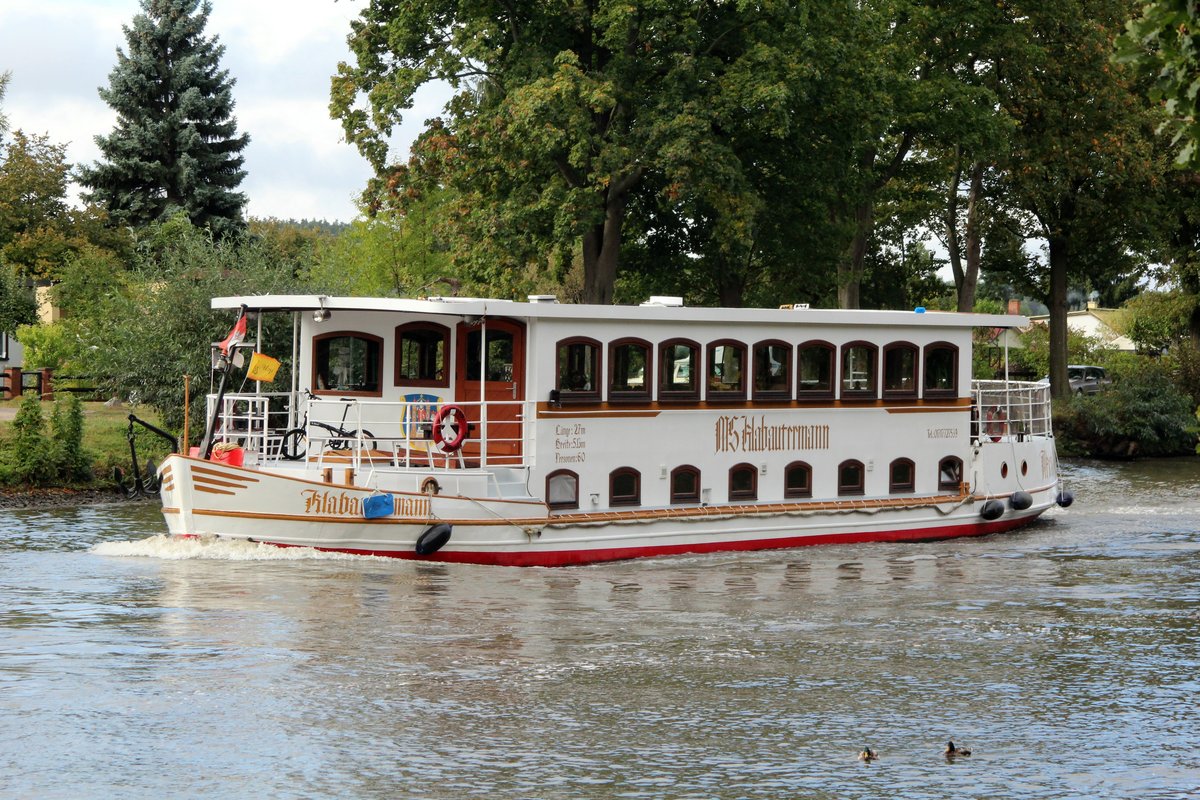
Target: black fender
[
  {"x": 1019, "y": 501},
  {"x": 433, "y": 539},
  {"x": 1065, "y": 498},
  {"x": 991, "y": 510}
]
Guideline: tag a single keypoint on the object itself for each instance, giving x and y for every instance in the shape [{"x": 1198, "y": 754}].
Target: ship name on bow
[
  {"x": 750, "y": 434},
  {"x": 341, "y": 504}
]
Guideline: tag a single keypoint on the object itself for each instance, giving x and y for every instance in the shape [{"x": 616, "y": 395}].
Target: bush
[
  {"x": 71, "y": 462},
  {"x": 1143, "y": 413},
  {"x": 26, "y": 456}
]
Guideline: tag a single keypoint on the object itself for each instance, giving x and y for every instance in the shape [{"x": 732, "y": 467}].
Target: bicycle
[{"x": 295, "y": 441}]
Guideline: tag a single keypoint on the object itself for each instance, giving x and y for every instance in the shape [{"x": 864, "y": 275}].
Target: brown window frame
[
  {"x": 431, "y": 327},
  {"x": 789, "y": 373},
  {"x": 744, "y": 494},
  {"x": 625, "y": 500},
  {"x": 953, "y": 390},
  {"x": 950, "y": 485},
  {"x": 849, "y": 489},
  {"x": 648, "y": 377},
  {"x": 870, "y": 393},
  {"x": 805, "y": 492},
  {"x": 677, "y": 497},
  {"x": 666, "y": 395},
  {"x": 902, "y": 487},
  {"x": 368, "y": 337},
  {"x": 578, "y": 395},
  {"x": 893, "y": 347},
  {"x": 719, "y": 395},
  {"x": 831, "y": 353},
  {"x": 562, "y": 503}
]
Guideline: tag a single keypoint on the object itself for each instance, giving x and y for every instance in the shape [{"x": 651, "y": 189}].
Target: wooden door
[{"x": 500, "y": 362}]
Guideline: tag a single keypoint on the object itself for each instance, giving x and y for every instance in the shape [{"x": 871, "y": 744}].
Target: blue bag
[{"x": 379, "y": 505}]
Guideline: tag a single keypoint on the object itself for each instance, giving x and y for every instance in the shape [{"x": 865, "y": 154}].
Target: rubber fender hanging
[
  {"x": 433, "y": 539},
  {"x": 992, "y": 509},
  {"x": 1065, "y": 498},
  {"x": 1020, "y": 501}
]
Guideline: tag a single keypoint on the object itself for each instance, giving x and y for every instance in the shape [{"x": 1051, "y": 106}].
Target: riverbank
[{"x": 15, "y": 499}]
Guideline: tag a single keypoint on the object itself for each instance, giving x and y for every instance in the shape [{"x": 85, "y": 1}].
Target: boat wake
[{"x": 211, "y": 548}]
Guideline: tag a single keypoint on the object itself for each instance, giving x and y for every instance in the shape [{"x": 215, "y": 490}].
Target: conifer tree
[{"x": 175, "y": 147}]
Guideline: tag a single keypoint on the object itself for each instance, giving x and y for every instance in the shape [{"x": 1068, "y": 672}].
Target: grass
[{"x": 105, "y": 437}]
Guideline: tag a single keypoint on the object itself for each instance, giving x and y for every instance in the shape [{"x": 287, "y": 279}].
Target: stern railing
[{"x": 1000, "y": 409}]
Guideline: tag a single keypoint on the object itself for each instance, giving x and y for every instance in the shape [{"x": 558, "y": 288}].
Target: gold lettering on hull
[
  {"x": 323, "y": 503},
  {"x": 747, "y": 434}
]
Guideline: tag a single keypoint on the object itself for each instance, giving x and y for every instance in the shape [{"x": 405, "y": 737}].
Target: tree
[
  {"x": 175, "y": 146},
  {"x": 4, "y": 79},
  {"x": 564, "y": 109},
  {"x": 17, "y": 303}
]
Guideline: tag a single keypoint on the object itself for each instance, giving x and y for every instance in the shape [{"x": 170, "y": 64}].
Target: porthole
[
  {"x": 1004, "y": 470},
  {"x": 1024, "y": 468}
]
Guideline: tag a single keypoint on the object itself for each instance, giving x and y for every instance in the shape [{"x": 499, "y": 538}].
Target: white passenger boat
[{"x": 539, "y": 433}]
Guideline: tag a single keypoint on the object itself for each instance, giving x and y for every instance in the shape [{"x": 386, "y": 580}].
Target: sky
[{"x": 281, "y": 54}]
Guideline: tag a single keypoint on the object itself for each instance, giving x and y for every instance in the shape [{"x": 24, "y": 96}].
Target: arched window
[
  {"x": 727, "y": 370},
  {"x": 851, "y": 478},
  {"x": 772, "y": 367},
  {"x": 814, "y": 370},
  {"x": 950, "y": 473},
  {"x": 858, "y": 370},
  {"x": 422, "y": 351},
  {"x": 348, "y": 363},
  {"x": 900, "y": 370},
  {"x": 624, "y": 487},
  {"x": 679, "y": 370},
  {"x": 630, "y": 370},
  {"x": 941, "y": 370},
  {"x": 797, "y": 480},
  {"x": 578, "y": 369},
  {"x": 562, "y": 489},
  {"x": 902, "y": 476},
  {"x": 685, "y": 485},
  {"x": 743, "y": 482}
]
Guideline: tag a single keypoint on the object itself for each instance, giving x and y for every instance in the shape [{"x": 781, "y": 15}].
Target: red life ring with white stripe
[
  {"x": 450, "y": 428},
  {"x": 997, "y": 423}
]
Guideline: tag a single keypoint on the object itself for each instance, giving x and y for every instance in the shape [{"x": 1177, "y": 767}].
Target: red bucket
[{"x": 231, "y": 457}]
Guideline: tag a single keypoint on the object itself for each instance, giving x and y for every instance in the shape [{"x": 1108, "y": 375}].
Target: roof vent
[
  {"x": 662, "y": 300},
  {"x": 794, "y": 307},
  {"x": 543, "y": 298}
]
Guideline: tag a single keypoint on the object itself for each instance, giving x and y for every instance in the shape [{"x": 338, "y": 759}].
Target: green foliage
[
  {"x": 176, "y": 146},
  {"x": 26, "y": 455},
  {"x": 46, "y": 346},
  {"x": 17, "y": 303},
  {"x": 72, "y": 463},
  {"x": 1033, "y": 359},
  {"x": 1156, "y": 321},
  {"x": 1143, "y": 413}
]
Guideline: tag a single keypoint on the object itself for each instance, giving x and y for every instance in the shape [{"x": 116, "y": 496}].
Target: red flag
[{"x": 235, "y": 336}]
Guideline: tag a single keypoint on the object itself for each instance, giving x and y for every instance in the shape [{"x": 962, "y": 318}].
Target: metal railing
[{"x": 1010, "y": 408}]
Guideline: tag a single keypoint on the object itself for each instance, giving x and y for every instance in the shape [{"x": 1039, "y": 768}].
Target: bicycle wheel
[{"x": 294, "y": 445}]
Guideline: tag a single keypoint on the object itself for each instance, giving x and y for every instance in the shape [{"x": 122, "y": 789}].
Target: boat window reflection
[{"x": 347, "y": 362}]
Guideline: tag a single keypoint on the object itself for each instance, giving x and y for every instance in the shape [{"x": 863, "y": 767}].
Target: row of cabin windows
[
  {"x": 625, "y": 483},
  {"x": 767, "y": 370}
]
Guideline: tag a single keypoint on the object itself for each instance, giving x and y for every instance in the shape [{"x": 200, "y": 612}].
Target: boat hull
[{"x": 205, "y": 499}]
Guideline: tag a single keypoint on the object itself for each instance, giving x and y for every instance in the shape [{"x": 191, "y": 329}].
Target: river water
[{"x": 1064, "y": 655}]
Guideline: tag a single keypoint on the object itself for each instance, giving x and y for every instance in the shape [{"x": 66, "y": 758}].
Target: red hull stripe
[{"x": 563, "y": 558}]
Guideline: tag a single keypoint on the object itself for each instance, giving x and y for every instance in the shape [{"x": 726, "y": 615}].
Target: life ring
[
  {"x": 997, "y": 423},
  {"x": 454, "y": 418}
]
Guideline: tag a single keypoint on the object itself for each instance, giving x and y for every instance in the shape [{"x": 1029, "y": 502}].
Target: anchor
[{"x": 149, "y": 485}]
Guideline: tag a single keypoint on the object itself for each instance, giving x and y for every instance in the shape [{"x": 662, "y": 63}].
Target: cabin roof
[{"x": 482, "y": 307}]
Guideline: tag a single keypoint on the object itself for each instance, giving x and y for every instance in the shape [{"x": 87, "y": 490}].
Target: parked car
[{"x": 1084, "y": 379}]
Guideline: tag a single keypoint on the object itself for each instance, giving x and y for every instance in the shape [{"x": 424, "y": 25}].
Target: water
[{"x": 1065, "y": 656}]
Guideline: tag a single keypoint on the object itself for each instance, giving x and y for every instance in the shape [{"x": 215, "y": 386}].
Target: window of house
[
  {"x": 950, "y": 473},
  {"x": 941, "y": 370},
  {"x": 851, "y": 477},
  {"x": 903, "y": 476},
  {"x": 900, "y": 370},
  {"x": 743, "y": 482},
  {"x": 797, "y": 480},
  {"x": 629, "y": 370},
  {"x": 679, "y": 372},
  {"x": 578, "y": 369},
  {"x": 772, "y": 367},
  {"x": 562, "y": 489},
  {"x": 421, "y": 353},
  {"x": 685, "y": 485},
  {"x": 624, "y": 487},
  {"x": 814, "y": 370},
  {"x": 727, "y": 371},
  {"x": 347, "y": 363},
  {"x": 858, "y": 370}
]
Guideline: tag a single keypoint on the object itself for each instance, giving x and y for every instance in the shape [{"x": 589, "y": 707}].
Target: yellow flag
[{"x": 262, "y": 368}]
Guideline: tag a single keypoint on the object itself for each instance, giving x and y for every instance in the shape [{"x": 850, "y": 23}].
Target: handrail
[{"x": 1003, "y": 409}]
